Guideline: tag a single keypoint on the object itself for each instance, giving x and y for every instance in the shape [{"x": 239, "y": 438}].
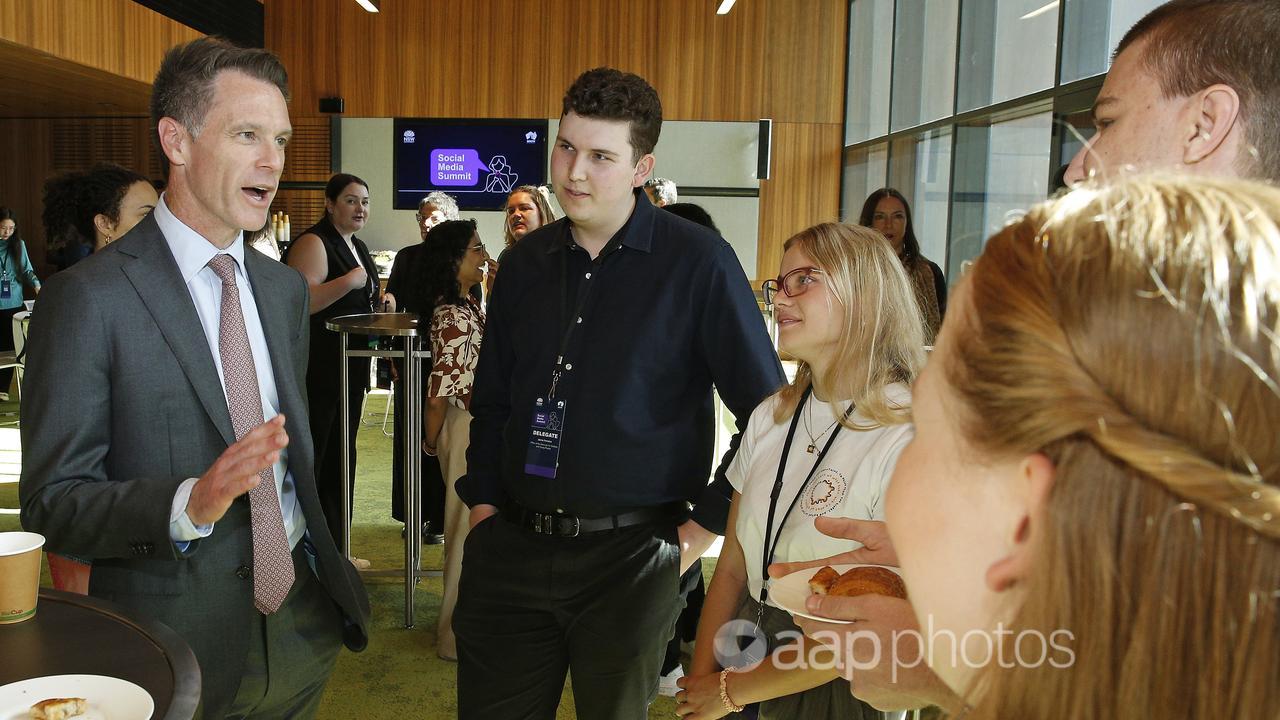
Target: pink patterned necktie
[{"x": 272, "y": 564}]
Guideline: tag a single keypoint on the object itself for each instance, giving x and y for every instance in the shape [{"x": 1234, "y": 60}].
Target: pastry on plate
[{"x": 865, "y": 580}]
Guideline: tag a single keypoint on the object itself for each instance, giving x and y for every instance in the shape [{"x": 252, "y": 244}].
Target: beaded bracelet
[{"x": 724, "y": 692}]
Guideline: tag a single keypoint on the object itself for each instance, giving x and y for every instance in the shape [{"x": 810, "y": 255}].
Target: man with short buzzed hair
[{"x": 1195, "y": 86}]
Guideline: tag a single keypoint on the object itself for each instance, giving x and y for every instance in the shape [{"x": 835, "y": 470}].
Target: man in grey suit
[{"x": 164, "y": 428}]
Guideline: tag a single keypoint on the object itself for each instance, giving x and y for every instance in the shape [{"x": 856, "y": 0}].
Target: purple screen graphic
[{"x": 456, "y": 167}]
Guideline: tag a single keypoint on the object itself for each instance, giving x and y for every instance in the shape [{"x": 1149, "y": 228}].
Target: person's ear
[
  {"x": 174, "y": 140},
  {"x": 1031, "y": 502},
  {"x": 1216, "y": 110},
  {"x": 104, "y": 225},
  {"x": 644, "y": 169}
]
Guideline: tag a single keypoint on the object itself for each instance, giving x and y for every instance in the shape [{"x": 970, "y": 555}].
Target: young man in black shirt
[{"x": 593, "y": 432}]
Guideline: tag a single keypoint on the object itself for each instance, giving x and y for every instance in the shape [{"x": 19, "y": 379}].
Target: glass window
[
  {"x": 1001, "y": 169},
  {"x": 1007, "y": 49},
  {"x": 924, "y": 62},
  {"x": 1091, "y": 30},
  {"x": 865, "y": 170},
  {"x": 870, "y": 52},
  {"x": 920, "y": 168}
]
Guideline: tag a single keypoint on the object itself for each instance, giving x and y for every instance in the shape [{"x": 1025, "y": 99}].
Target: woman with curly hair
[
  {"x": 452, "y": 263},
  {"x": 84, "y": 211}
]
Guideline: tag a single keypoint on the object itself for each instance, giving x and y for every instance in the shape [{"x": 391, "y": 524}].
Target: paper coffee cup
[{"x": 19, "y": 575}]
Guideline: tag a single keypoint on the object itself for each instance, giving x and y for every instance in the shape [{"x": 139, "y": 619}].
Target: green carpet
[{"x": 399, "y": 673}]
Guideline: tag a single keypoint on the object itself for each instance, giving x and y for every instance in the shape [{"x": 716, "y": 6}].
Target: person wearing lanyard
[
  {"x": 15, "y": 271},
  {"x": 824, "y": 445},
  {"x": 593, "y": 426}
]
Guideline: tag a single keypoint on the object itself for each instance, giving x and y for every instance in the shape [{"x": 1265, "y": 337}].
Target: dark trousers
[
  {"x": 692, "y": 593},
  {"x": 291, "y": 654},
  {"x": 6, "y": 343},
  {"x": 432, "y": 494},
  {"x": 324, "y": 400},
  {"x": 533, "y": 607}
]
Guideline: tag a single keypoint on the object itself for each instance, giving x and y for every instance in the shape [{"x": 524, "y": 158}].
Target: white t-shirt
[{"x": 851, "y": 481}]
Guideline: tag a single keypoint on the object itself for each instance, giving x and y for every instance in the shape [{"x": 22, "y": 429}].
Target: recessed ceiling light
[
  {"x": 369, "y": 5},
  {"x": 725, "y": 7}
]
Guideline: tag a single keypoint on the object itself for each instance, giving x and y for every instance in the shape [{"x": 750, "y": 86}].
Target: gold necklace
[{"x": 813, "y": 441}]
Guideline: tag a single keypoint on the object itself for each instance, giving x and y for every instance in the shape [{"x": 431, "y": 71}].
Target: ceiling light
[
  {"x": 1040, "y": 11},
  {"x": 725, "y": 7},
  {"x": 369, "y": 5}
]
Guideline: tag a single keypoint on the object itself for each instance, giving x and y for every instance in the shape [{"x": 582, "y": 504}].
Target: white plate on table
[
  {"x": 790, "y": 592},
  {"x": 109, "y": 698}
]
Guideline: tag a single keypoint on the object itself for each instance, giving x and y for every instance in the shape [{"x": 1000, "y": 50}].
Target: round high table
[
  {"x": 74, "y": 634},
  {"x": 404, "y": 325}
]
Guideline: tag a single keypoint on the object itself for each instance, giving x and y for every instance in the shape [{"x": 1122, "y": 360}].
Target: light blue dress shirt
[{"x": 193, "y": 253}]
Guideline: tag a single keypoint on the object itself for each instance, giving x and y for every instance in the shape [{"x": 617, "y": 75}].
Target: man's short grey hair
[
  {"x": 663, "y": 189},
  {"x": 444, "y": 202}
]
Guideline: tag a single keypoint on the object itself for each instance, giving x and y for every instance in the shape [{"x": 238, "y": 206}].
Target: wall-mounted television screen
[{"x": 476, "y": 161}]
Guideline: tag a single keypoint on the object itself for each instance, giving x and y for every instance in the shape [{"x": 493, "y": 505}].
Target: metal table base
[{"x": 404, "y": 325}]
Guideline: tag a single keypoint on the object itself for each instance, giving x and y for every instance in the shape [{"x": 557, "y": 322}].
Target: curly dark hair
[
  {"x": 910, "y": 246},
  {"x": 72, "y": 200},
  {"x": 434, "y": 273},
  {"x": 693, "y": 213},
  {"x": 611, "y": 94}
]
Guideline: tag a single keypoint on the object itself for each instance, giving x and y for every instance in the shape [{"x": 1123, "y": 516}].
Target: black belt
[{"x": 563, "y": 525}]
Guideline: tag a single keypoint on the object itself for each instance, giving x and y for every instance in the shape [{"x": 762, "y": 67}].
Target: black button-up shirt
[{"x": 668, "y": 313}]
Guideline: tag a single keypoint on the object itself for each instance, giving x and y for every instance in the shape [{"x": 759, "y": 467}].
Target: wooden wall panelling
[
  {"x": 37, "y": 149},
  {"x": 25, "y": 146},
  {"x": 804, "y": 189},
  {"x": 304, "y": 208},
  {"x": 307, "y": 157},
  {"x": 118, "y": 36},
  {"x": 514, "y": 58},
  {"x": 708, "y": 66},
  {"x": 805, "y": 62}
]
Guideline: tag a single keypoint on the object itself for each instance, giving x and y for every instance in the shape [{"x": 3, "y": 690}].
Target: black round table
[{"x": 77, "y": 635}]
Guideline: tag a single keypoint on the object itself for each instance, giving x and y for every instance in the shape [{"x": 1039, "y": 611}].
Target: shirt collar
[
  {"x": 190, "y": 249},
  {"x": 636, "y": 233}
]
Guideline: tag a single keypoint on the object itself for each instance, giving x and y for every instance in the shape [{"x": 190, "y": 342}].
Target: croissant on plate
[{"x": 866, "y": 580}]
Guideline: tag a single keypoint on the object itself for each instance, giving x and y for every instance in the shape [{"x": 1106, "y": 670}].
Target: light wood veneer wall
[{"x": 780, "y": 59}]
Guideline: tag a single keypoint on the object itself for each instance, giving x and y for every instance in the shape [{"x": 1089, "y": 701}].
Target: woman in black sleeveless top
[{"x": 343, "y": 281}]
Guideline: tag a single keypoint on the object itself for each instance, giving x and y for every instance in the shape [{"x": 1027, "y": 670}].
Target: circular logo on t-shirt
[{"x": 824, "y": 493}]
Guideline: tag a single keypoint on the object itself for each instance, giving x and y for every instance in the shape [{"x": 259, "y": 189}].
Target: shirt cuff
[
  {"x": 472, "y": 491},
  {"x": 181, "y": 530},
  {"x": 712, "y": 509}
]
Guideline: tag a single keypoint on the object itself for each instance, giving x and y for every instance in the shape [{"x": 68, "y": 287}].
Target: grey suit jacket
[{"x": 121, "y": 403}]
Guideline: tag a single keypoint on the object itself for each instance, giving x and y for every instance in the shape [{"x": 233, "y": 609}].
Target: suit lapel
[
  {"x": 279, "y": 321},
  {"x": 156, "y": 278}
]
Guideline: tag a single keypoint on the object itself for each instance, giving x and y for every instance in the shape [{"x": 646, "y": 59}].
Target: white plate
[
  {"x": 790, "y": 592},
  {"x": 109, "y": 698}
]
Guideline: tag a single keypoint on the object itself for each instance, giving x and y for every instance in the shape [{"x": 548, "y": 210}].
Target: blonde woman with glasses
[{"x": 824, "y": 445}]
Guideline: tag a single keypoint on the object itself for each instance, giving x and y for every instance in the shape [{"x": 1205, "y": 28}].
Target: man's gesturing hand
[
  {"x": 235, "y": 472},
  {"x": 873, "y": 534}
]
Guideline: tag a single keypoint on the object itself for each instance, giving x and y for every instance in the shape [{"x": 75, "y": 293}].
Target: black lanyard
[
  {"x": 571, "y": 322},
  {"x": 771, "y": 548}
]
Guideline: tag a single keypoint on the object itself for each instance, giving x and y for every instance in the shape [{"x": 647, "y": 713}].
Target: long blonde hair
[
  {"x": 1132, "y": 334},
  {"x": 882, "y": 337}
]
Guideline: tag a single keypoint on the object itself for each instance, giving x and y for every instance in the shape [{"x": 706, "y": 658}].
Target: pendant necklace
[{"x": 813, "y": 441}]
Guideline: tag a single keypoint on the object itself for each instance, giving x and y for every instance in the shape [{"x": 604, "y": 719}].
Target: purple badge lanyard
[{"x": 771, "y": 548}]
